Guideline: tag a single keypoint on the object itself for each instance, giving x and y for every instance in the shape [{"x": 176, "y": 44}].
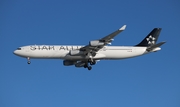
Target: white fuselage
[{"x": 62, "y": 52}]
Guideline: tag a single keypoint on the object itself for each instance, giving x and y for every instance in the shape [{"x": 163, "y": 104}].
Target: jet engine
[
  {"x": 76, "y": 52},
  {"x": 68, "y": 62},
  {"x": 79, "y": 64},
  {"x": 96, "y": 43}
]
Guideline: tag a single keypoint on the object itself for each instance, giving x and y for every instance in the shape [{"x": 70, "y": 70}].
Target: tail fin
[{"x": 151, "y": 38}]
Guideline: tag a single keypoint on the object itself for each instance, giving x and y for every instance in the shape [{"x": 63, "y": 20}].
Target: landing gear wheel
[
  {"x": 29, "y": 62},
  {"x": 92, "y": 63},
  {"x": 85, "y": 66},
  {"x": 89, "y": 67}
]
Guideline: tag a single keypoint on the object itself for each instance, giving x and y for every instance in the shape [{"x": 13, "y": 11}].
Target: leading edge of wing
[
  {"x": 106, "y": 40},
  {"x": 112, "y": 35}
]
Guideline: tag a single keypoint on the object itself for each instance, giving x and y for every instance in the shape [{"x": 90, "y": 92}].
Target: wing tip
[{"x": 123, "y": 27}]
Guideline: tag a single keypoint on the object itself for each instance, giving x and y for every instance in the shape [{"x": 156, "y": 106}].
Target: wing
[
  {"x": 96, "y": 45},
  {"x": 108, "y": 39}
]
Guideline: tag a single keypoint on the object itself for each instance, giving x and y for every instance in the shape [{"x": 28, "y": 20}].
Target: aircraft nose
[{"x": 15, "y": 52}]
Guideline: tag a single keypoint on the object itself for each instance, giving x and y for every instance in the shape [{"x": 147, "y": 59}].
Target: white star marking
[{"x": 151, "y": 40}]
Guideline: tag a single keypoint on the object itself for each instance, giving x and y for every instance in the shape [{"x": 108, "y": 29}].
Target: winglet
[{"x": 123, "y": 27}]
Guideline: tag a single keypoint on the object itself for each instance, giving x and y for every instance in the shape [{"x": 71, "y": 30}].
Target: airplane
[{"x": 96, "y": 50}]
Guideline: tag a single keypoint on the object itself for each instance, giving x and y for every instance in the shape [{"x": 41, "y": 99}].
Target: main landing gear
[
  {"x": 29, "y": 62},
  {"x": 91, "y": 62},
  {"x": 87, "y": 66}
]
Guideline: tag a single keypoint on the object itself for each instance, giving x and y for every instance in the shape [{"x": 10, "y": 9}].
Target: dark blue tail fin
[{"x": 151, "y": 38}]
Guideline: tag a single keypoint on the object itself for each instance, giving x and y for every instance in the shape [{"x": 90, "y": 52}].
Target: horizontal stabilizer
[{"x": 150, "y": 48}]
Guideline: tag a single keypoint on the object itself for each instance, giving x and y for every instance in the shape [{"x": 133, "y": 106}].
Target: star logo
[{"x": 151, "y": 40}]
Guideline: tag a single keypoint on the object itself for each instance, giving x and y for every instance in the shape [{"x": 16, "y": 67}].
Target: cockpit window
[{"x": 18, "y": 48}]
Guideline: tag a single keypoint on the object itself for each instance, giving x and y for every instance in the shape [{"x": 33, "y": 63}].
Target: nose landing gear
[{"x": 29, "y": 62}]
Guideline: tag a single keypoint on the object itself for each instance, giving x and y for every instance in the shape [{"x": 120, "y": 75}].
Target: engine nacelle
[
  {"x": 68, "y": 62},
  {"x": 79, "y": 64},
  {"x": 76, "y": 52},
  {"x": 96, "y": 43}
]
